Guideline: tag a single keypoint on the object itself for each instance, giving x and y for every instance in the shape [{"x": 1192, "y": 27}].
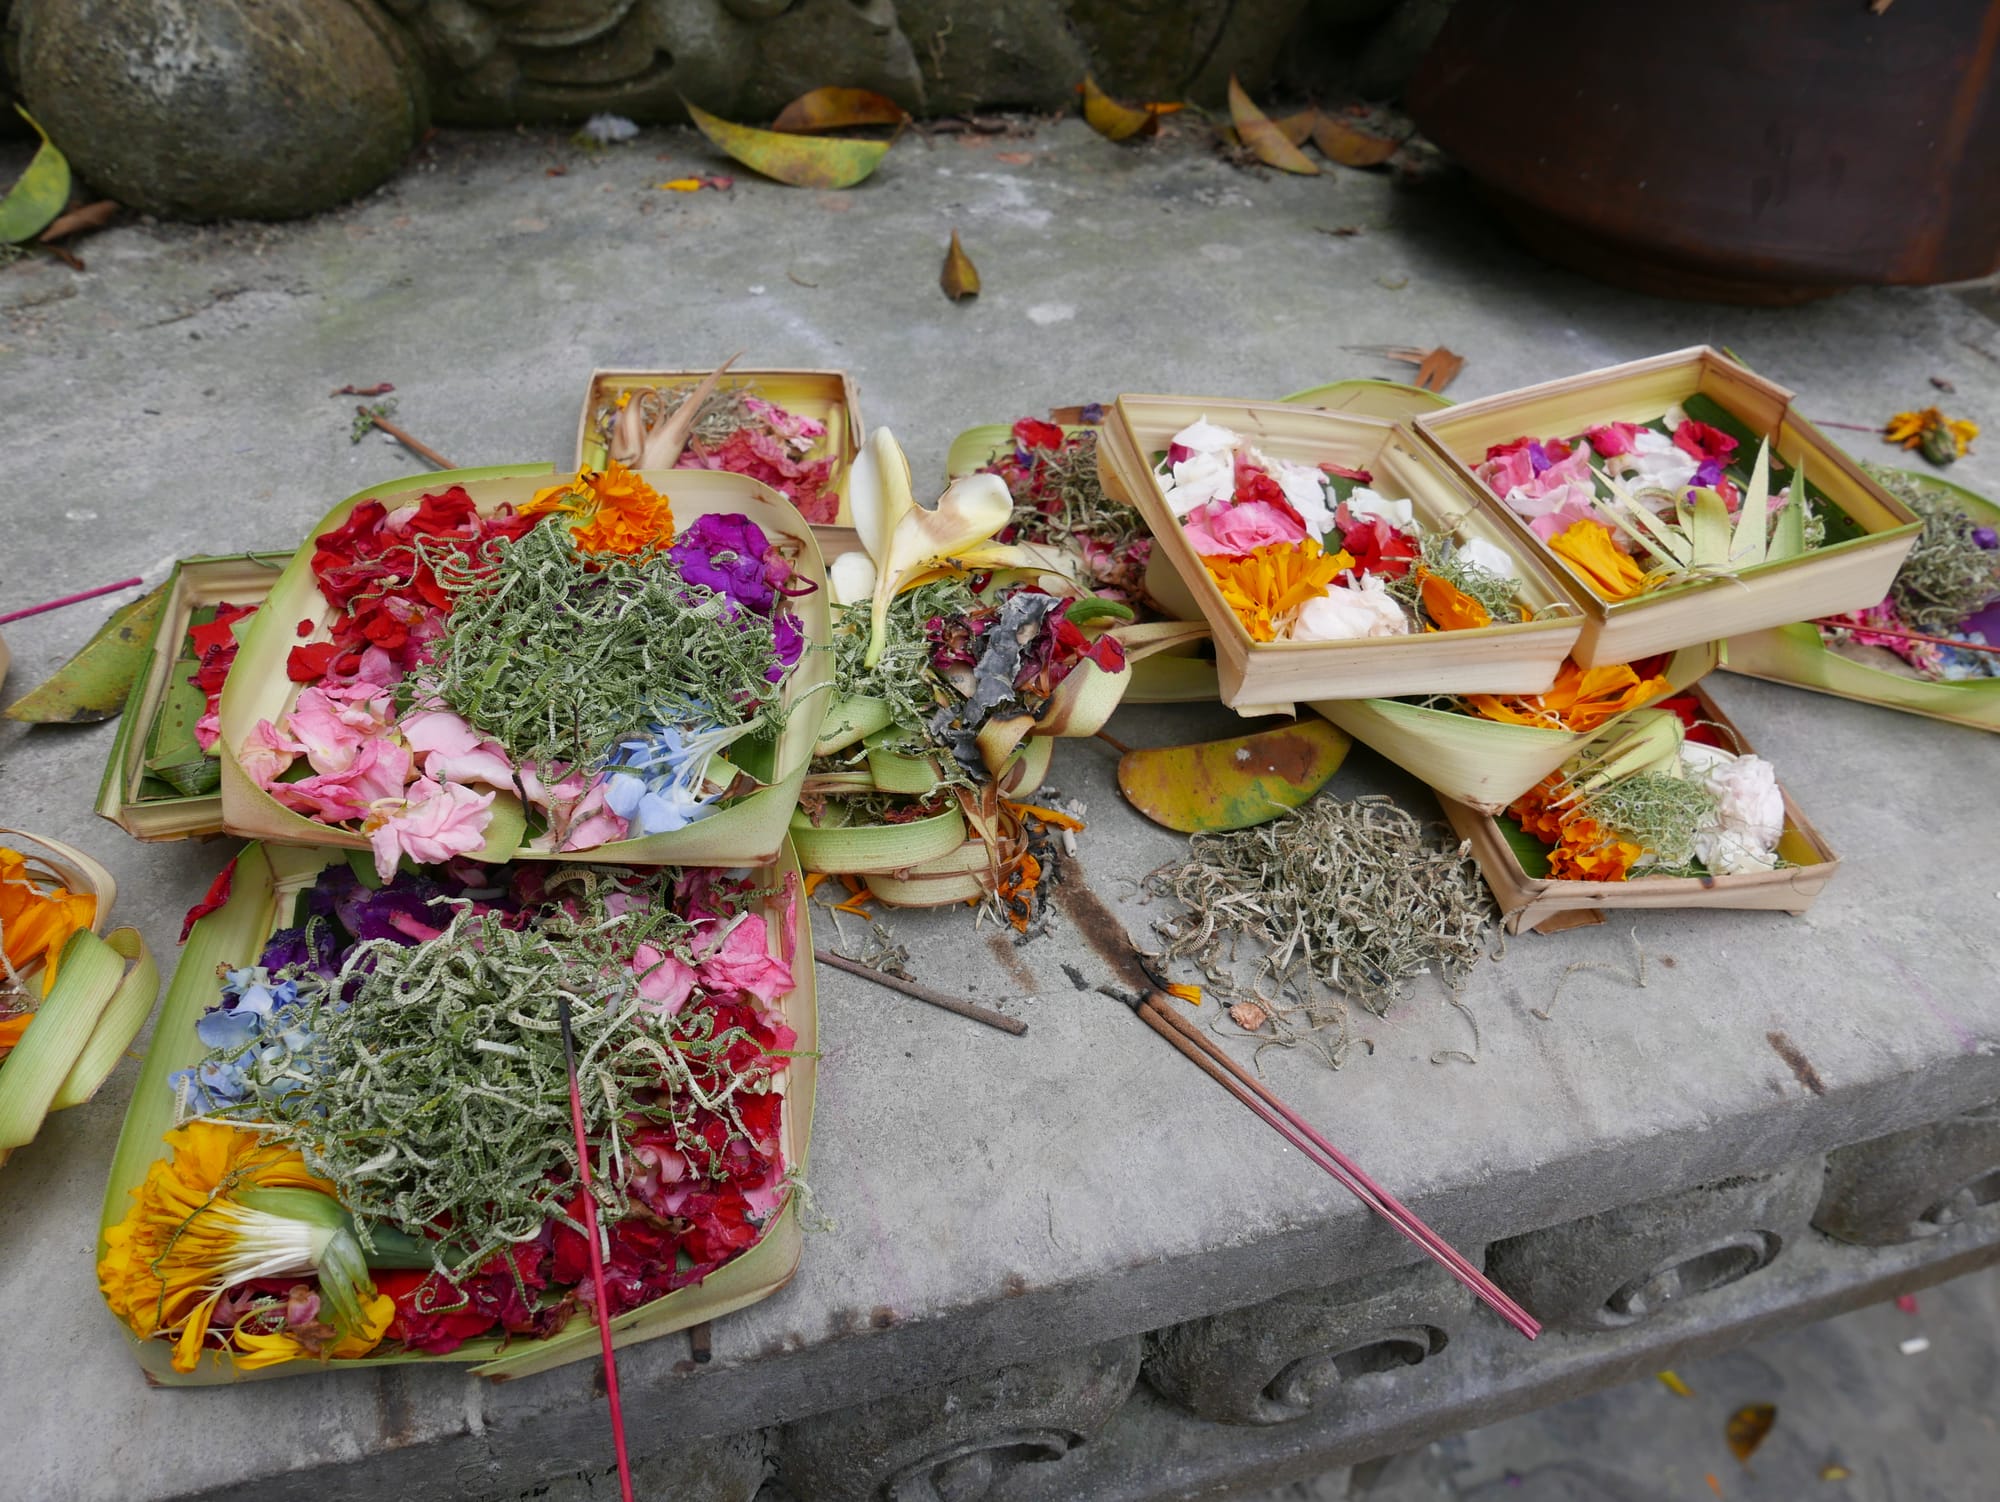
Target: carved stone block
[
  {"x": 1312, "y": 1350},
  {"x": 960, "y": 1440},
  {"x": 1607, "y": 1271},
  {"x": 1913, "y": 1184}
]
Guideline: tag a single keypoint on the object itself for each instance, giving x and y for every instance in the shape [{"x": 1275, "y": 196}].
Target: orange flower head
[
  {"x": 36, "y": 920},
  {"x": 1449, "y": 607},
  {"x": 1267, "y": 584},
  {"x": 1587, "y": 547},
  {"x": 1580, "y": 699},
  {"x": 615, "y": 511}
]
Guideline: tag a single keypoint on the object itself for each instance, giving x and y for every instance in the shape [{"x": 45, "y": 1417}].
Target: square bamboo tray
[
  {"x": 1270, "y": 677},
  {"x": 826, "y": 396},
  {"x": 269, "y": 879},
  {"x": 122, "y": 797},
  {"x": 1842, "y": 576},
  {"x": 749, "y": 832},
  {"x": 1798, "y": 655},
  {"x": 1528, "y": 901}
]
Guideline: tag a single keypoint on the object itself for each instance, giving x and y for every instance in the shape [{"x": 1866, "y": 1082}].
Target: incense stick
[
  {"x": 596, "y": 1255},
  {"x": 1838, "y": 625},
  {"x": 977, "y": 1013},
  {"x": 1158, "y": 1014},
  {"x": 75, "y": 599},
  {"x": 423, "y": 450}
]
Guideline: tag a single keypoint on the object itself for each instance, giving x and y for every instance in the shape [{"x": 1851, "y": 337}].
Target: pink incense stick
[
  {"x": 1941, "y": 641},
  {"x": 81, "y": 595},
  {"x": 596, "y": 1259}
]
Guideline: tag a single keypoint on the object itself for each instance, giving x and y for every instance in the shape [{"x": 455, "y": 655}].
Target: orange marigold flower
[
  {"x": 1942, "y": 438},
  {"x": 36, "y": 921},
  {"x": 616, "y": 511},
  {"x": 1267, "y": 584},
  {"x": 1580, "y": 699},
  {"x": 1586, "y": 546},
  {"x": 1449, "y": 607},
  {"x": 1589, "y": 852}
]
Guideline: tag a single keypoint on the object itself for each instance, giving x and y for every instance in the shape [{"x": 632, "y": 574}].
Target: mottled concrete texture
[{"x": 989, "y": 1200}]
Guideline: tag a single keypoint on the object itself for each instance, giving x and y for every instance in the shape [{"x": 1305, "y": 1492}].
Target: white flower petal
[
  {"x": 1363, "y": 503},
  {"x": 1346, "y": 612}
]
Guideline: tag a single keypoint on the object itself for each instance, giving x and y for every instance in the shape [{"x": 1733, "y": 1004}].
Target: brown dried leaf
[
  {"x": 801, "y": 161},
  {"x": 1748, "y": 1427},
  {"x": 1115, "y": 121},
  {"x": 1248, "y": 1016},
  {"x": 1296, "y": 128},
  {"x": 836, "y": 109},
  {"x": 1257, "y": 132},
  {"x": 961, "y": 278},
  {"x": 1351, "y": 147},
  {"x": 91, "y": 216}
]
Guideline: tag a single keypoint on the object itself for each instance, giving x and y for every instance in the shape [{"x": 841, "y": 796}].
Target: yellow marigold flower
[
  {"x": 1586, "y": 546},
  {"x": 1580, "y": 699},
  {"x": 36, "y": 920},
  {"x": 223, "y": 1207},
  {"x": 257, "y": 1349},
  {"x": 1267, "y": 584},
  {"x": 1941, "y": 438},
  {"x": 1449, "y": 607}
]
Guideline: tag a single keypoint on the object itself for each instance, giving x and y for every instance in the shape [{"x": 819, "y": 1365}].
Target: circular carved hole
[
  {"x": 1295, "y": 1389},
  {"x": 1688, "y": 1275},
  {"x": 968, "y": 1472},
  {"x": 1965, "y": 1200}
]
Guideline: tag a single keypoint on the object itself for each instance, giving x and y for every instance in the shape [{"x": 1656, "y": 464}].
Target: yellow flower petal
[{"x": 1588, "y": 549}]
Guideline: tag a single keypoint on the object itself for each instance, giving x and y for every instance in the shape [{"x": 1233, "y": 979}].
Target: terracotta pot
[{"x": 1762, "y": 153}]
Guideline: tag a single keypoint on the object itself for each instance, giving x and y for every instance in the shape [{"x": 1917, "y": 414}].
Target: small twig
[
  {"x": 1852, "y": 427},
  {"x": 77, "y": 598},
  {"x": 701, "y": 1342},
  {"x": 882, "y": 978},
  {"x": 422, "y": 450},
  {"x": 1114, "y": 743}
]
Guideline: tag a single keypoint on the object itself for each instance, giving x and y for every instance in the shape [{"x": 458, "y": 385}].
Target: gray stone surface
[
  {"x": 992, "y": 1200},
  {"x": 200, "y": 108},
  {"x": 1625, "y": 1266},
  {"x": 1314, "y": 1348},
  {"x": 1913, "y": 1184}
]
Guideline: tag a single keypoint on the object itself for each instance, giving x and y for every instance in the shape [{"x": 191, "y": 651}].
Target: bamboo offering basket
[
  {"x": 1485, "y": 763},
  {"x": 1270, "y": 677},
  {"x": 142, "y": 806},
  {"x": 1842, "y": 575},
  {"x": 1529, "y": 901},
  {"x": 1800, "y": 656},
  {"x": 269, "y": 881},
  {"x": 826, "y": 396},
  {"x": 750, "y": 831},
  {"x": 105, "y": 987}
]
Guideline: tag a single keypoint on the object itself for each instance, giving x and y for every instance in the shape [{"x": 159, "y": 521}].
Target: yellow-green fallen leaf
[
  {"x": 33, "y": 202},
  {"x": 1295, "y": 128},
  {"x": 836, "y": 109},
  {"x": 1256, "y": 131},
  {"x": 1671, "y": 1381},
  {"x": 1232, "y": 784},
  {"x": 960, "y": 278},
  {"x": 1832, "y": 1472},
  {"x": 801, "y": 161},
  {"x": 1351, "y": 147},
  {"x": 1115, "y": 121},
  {"x": 1748, "y": 1427},
  {"x": 93, "y": 684}
]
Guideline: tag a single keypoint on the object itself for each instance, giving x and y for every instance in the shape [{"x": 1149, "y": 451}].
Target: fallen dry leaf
[
  {"x": 1264, "y": 138},
  {"x": 800, "y": 161},
  {"x": 1436, "y": 368},
  {"x": 1671, "y": 1381},
  {"x": 960, "y": 278},
  {"x": 380, "y": 388},
  {"x": 1115, "y": 121},
  {"x": 1248, "y": 1016},
  {"x": 1748, "y": 1427},
  {"x": 1834, "y": 1472},
  {"x": 837, "y": 109},
  {"x": 1343, "y": 143},
  {"x": 1296, "y": 128},
  {"x": 1235, "y": 783},
  {"x": 77, "y": 221}
]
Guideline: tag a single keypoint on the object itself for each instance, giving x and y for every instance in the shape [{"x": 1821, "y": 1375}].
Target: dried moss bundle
[
  {"x": 1657, "y": 811},
  {"x": 1084, "y": 510},
  {"x": 1948, "y": 575},
  {"x": 1360, "y": 892},
  {"x": 560, "y": 655},
  {"x": 721, "y": 413}
]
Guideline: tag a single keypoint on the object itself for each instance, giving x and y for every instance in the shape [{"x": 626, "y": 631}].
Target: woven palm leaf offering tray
[
  {"x": 72, "y": 995},
  {"x": 796, "y": 431},
  {"x": 354, "y": 1139},
  {"x": 1931, "y": 646},
  {"x": 1331, "y": 555},
  {"x": 1681, "y": 499},
  {"x": 1669, "y": 809},
  {"x": 957, "y": 660},
  {"x": 489, "y": 664},
  {"x": 163, "y": 779}
]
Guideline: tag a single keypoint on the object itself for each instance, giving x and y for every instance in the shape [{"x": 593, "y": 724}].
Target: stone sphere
[{"x": 208, "y": 109}]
